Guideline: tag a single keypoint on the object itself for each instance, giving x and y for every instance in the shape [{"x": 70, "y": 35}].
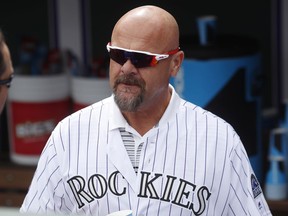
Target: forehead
[{"x": 139, "y": 35}]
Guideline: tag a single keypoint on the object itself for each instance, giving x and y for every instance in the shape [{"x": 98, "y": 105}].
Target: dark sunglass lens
[
  {"x": 139, "y": 60},
  {"x": 117, "y": 56}
]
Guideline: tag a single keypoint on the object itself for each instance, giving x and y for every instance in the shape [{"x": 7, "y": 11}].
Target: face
[
  {"x": 135, "y": 88},
  {"x": 8, "y": 72}
]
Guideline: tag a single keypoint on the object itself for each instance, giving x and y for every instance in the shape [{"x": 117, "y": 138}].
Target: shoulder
[
  {"x": 84, "y": 115},
  {"x": 207, "y": 119},
  {"x": 193, "y": 109}
]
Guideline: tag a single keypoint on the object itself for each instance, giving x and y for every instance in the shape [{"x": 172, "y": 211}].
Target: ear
[{"x": 176, "y": 62}]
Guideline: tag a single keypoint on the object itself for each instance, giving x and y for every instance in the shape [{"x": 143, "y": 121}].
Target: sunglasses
[
  {"x": 7, "y": 82},
  {"x": 139, "y": 59}
]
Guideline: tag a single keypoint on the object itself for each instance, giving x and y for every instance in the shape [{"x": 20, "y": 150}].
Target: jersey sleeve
[
  {"x": 245, "y": 194},
  {"x": 43, "y": 194}
]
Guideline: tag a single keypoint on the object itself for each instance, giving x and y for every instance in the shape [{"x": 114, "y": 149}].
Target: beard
[{"x": 131, "y": 103}]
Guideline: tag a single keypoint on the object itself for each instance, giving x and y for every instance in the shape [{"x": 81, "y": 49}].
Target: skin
[
  {"x": 151, "y": 29},
  {"x": 8, "y": 71}
]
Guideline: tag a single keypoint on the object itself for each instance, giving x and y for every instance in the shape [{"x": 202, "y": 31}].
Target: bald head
[{"x": 148, "y": 28}]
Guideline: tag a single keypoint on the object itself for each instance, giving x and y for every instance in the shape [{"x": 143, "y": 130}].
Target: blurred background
[{"x": 248, "y": 33}]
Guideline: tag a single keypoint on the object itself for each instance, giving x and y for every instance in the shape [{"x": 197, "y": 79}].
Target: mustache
[{"x": 129, "y": 79}]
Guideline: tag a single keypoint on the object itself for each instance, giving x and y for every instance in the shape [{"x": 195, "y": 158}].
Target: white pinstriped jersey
[{"x": 191, "y": 163}]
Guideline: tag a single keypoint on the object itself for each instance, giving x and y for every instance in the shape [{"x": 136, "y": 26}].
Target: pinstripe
[
  {"x": 231, "y": 209},
  {"x": 146, "y": 144},
  {"x": 142, "y": 162},
  {"x": 166, "y": 147},
  {"x": 241, "y": 162},
  {"x": 245, "y": 155},
  {"x": 175, "y": 155},
  {"x": 79, "y": 140},
  {"x": 87, "y": 147},
  {"x": 223, "y": 168},
  {"x": 206, "y": 144},
  {"x": 226, "y": 202},
  {"x": 154, "y": 158},
  {"x": 63, "y": 203},
  {"x": 68, "y": 195},
  {"x": 106, "y": 161},
  {"x": 70, "y": 210},
  {"x": 240, "y": 180},
  {"x": 144, "y": 155},
  {"x": 60, "y": 207},
  {"x": 39, "y": 209},
  {"x": 79, "y": 149},
  {"x": 186, "y": 152},
  {"x": 129, "y": 197},
  {"x": 176, "y": 138},
  {"x": 186, "y": 143},
  {"x": 57, "y": 184},
  {"x": 250, "y": 194},
  {"x": 118, "y": 201},
  {"x": 83, "y": 211},
  {"x": 61, "y": 139},
  {"x": 41, "y": 173},
  {"x": 107, "y": 170},
  {"x": 214, "y": 162},
  {"x": 39, "y": 178},
  {"x": 164, "y": 163},
  {"x": 153, "y": 167},
  {"x": 55, "y": 188},
  {"x": 33, "y": 197},
  {"x": 195, "y": 149},
  {"x": 98, "y": 140},
  {"x": 215, "y": 158},
  {"x": 148, "y": 206},
  {"x": 47, "y": 204},
  {"x": 47, "y": 182},
  {"x": 239, "y": 201},
  {"x": 53, "y": 203}
]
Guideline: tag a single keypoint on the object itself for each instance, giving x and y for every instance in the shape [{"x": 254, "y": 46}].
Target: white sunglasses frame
[{"x": 158, "y": 57}]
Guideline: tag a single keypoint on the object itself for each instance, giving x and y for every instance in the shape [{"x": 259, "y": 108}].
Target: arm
[{"x": 245, "y": 191}]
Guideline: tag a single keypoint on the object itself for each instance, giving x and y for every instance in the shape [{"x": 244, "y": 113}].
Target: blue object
[{"x": 275, "y": 183}]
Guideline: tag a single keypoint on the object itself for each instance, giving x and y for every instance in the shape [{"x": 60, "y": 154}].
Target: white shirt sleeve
[
  {"x": 245, "y": 191},
  {"x": 44, "y": 194}
]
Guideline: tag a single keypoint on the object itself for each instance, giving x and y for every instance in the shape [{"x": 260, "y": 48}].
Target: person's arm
[
  {"x": 246, "y": 194},
  {"x": 44, "y": 192}
]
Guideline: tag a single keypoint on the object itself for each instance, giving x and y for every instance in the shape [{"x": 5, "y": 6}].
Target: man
[
  {"x": 144, "y": 148},
  {"x": 6, "y": 71}
]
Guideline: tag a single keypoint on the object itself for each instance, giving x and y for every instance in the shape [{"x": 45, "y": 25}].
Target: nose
[{"x": 128, "y": 67}]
